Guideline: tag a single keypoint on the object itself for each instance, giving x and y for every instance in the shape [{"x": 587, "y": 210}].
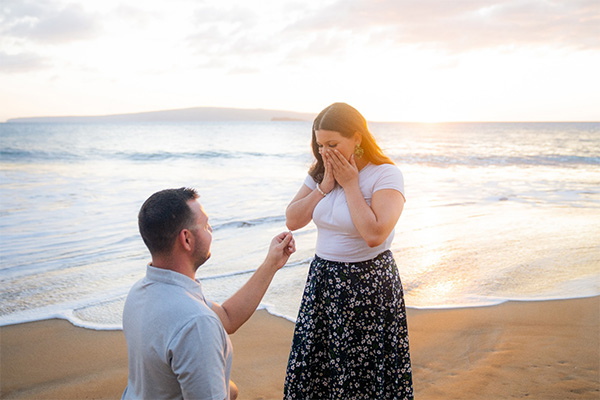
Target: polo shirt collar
[{"x": 172, "y": 278}]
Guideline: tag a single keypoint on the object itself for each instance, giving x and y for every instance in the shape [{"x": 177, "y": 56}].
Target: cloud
[
  {"x": 236, "y": 39},
  {"x": 46, "y": 21},
  {"x": 21, "y": 62},
  {"x": 231, "y": 30},
  {"x": 463, "y": 25},
  {"x": 233, "y": 35}
]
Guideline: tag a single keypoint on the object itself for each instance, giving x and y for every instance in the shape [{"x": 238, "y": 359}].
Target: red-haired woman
[{"x": 351, "y": 338}]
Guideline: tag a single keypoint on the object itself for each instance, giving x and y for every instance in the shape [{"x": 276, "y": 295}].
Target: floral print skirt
[{"x": 351, "y": 338}]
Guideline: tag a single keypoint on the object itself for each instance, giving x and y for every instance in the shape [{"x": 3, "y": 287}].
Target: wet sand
[{"x": 534, "y": 350}]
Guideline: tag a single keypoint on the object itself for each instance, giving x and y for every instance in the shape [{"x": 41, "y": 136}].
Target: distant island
[{"x": 180, "y": 115}]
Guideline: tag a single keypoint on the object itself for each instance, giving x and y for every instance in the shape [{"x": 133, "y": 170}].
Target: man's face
[{"x": 202, "y": 232}]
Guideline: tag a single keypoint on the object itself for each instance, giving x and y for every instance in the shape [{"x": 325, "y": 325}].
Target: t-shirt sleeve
[
  {"x": 390, "y": 178},
  {"x": 310, "y": 182},
  {"x": 198, "y": 359}
]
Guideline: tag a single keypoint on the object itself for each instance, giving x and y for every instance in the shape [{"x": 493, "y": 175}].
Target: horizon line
[
  {"x": 8, "y": 121},
  {"x": 278, "y": 118}
]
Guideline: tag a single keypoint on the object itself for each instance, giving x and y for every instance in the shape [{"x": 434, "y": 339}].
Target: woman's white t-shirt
[{"x": 337, "y": 238}]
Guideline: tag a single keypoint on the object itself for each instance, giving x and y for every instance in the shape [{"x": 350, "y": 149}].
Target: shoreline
[
  {"x": 65, "y": 316},
  {"x": 517, "y": 349}
]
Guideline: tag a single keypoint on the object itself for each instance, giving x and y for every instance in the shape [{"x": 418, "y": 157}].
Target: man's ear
[{"x": 186, "y": 239}]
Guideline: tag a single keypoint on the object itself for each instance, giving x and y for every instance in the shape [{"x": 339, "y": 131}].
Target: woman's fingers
[
  {"x": 337, "y": 160},
  {"x": 344, "y": 171}
]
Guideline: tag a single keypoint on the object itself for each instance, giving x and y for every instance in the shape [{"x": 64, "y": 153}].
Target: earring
[{"x": 358, "y": 151}]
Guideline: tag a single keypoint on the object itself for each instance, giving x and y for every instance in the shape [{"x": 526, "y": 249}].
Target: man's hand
[
  {"x": 281, "y": 248},
  {"x": 238, "y": 308}
]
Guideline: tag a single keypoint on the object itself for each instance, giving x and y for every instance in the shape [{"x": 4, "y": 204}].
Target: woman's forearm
[
  {"x": 363, "y": 217},
  {"x": 373, "y": 225},
  {"x": 299, "y": 212}
]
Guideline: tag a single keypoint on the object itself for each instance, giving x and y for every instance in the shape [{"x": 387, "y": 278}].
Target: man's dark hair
[{"x": 163, "y": 216}]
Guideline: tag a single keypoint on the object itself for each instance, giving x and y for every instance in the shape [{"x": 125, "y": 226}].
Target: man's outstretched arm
[{"x": 239, "y": 308}]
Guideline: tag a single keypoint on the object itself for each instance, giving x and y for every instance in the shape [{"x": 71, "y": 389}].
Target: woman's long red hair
[{"x": 345, "y": 119}]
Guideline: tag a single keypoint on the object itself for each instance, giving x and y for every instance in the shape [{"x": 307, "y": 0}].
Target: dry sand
[{"x": 522, "y": 350}]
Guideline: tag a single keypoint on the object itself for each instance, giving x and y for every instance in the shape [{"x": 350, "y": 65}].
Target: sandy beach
[{"x": 534, "y": 350}]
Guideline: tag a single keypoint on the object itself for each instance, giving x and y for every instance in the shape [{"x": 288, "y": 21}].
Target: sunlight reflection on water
[{"x": 493, "y": 212}]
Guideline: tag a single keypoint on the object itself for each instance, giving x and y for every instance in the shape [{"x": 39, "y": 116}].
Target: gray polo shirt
[{"x": 177, "y": 346}]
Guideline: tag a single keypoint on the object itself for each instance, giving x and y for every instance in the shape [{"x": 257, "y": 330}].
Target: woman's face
[{"x": 332, "y": 140}]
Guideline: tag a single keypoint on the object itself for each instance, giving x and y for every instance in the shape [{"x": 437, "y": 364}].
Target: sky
[{"x": 394, "y": 60}]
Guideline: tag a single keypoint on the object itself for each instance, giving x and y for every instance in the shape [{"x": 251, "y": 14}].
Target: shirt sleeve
[
  {"x": 310, "y": 182},
  {"x": 390, "y": 178},
  {"x": 198, "y": 359}
]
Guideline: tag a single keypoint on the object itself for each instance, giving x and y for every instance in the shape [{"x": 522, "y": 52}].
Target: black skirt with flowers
[{"x": 351, "y": 338}]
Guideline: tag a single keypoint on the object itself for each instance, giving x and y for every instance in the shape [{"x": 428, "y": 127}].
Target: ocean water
[{"x": 494, "y": 212}]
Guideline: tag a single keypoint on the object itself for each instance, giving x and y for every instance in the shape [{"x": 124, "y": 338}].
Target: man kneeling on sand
[{"x": 177, "y": 341}]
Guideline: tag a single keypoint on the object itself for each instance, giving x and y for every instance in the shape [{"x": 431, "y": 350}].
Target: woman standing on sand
[{"x": 351, "y": 338}]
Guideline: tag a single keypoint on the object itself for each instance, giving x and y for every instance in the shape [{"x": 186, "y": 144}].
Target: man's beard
[{"x": 201, "y": 255}]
